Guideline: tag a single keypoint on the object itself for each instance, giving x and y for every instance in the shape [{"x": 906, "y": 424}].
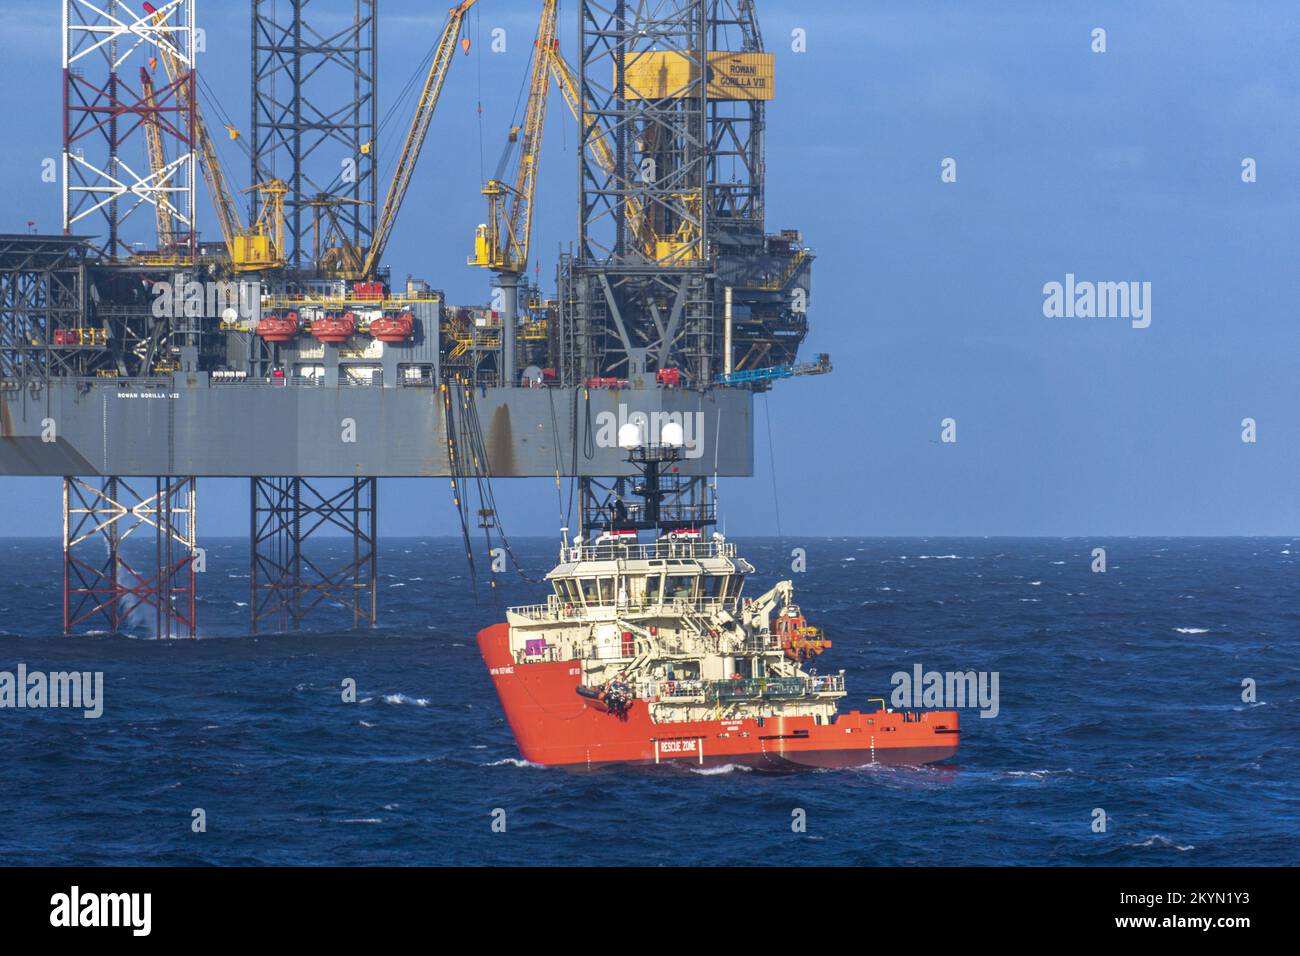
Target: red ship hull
[{"x": 554, "y": 726}]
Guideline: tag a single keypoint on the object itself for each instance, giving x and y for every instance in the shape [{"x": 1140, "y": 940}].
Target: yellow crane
[
  {"x": 351, "y": 264},
  {"x": 251, "y": 248},
  {"x": 501, "y": 244},
  {"x": 157, "y": 162}
]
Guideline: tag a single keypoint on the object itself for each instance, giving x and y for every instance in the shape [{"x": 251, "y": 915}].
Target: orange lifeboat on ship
[
  {"x": 334, "y": 329},
  {"x": 278, "y": 328},
  {"x": 393, "y": 328},
  {"x": 800, "y": 640}
]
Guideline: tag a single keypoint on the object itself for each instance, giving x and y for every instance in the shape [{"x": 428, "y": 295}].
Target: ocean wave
[
  {"x": 720, "y": 769},
  {"x": 514, "y": 762},
  {"x": 403, "y": 699},
  {"x": 1163, "y": 842},
  {"x": 1192, "y": 630},
  {"x": 1037, "y": 774}
]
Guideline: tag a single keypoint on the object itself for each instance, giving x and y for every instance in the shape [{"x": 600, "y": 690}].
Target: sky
[{"x": 1115, "y": 166}]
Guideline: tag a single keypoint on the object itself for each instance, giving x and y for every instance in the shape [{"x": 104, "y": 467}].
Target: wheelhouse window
[
  {"x": 589, "y": 594},
  {"x": 654, "y": 586},
  {"x": 713, "y": 586},
  {"x": 680, "y": 587},
  {"x": 606, "y": 590}
]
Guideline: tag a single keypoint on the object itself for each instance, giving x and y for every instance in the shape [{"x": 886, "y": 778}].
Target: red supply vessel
[{"x": 647, "y": 652}]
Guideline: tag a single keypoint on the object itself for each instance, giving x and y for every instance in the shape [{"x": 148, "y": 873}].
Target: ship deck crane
[{"x": 250, "y": 248}]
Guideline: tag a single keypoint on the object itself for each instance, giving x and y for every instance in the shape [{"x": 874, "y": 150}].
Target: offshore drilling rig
[{"x": 136, "y": 356}]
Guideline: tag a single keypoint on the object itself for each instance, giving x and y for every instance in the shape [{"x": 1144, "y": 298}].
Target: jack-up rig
[{"x": 136, "y": 357}]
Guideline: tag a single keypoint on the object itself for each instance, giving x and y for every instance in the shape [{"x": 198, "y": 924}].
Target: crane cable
[
  {"x": 457, "y": 498},
  {"x": 487, "y": 496}
]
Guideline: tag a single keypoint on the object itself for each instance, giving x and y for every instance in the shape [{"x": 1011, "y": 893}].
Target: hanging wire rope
[{"x": 771, "y": 457}]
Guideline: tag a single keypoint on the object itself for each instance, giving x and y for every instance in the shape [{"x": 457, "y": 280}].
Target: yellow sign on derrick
[{"x": 658, "y": 75}]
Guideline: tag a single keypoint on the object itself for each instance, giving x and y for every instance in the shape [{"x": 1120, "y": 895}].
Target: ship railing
[
  {"x": 676, "y": 689},
  {"x": 554, "y": 609},
  {"x": 615, "y": 551},
  {"x": 773, "y": 688},
  {"x": 614, "y": 652},
  {"x": 534, "y": 611},
  {"x": 826, "y": 684},
  {"x": 760, "y": 643}
]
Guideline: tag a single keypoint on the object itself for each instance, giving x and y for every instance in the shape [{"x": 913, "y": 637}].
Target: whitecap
[
  {"x": 1163, "y": 841},
  {"x": 403, "y": 699},
  {"x": 1192, "y": 630},
  {"x": 515, "y": 762},
  {"x": 721, "y": 768}
]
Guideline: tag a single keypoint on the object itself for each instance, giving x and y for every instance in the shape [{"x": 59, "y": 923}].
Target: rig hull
[{"x": 555, "y": 726}]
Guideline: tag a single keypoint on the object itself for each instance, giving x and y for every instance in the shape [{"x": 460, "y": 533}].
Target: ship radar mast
[{"x": 658, "y": 497}]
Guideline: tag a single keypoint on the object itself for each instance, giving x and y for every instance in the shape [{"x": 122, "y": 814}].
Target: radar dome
[{"x": 629, "y": 436}]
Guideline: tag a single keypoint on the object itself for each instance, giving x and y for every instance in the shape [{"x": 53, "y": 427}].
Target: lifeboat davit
[
  {"x": 279, "y": 328},
  {"x": 334, "y": 329},
  {"x": 801, "y": 641},
  {"x": 393, "y": 328}
]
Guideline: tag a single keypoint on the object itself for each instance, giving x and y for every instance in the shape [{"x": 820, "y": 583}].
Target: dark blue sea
[{"x": 1119, "y": 691}]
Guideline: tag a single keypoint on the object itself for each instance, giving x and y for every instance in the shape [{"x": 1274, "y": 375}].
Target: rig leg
[
  {"x": 286, "y": 583},
  {"x": 113, "y": 574}
]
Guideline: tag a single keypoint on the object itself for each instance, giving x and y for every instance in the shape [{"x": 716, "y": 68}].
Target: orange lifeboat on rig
[
  {"x": 390, "y": 328},
  {"x": 800, "y": 640},
  {"x": 278, "y": 328},
  {"x": 334, "y": 329}
]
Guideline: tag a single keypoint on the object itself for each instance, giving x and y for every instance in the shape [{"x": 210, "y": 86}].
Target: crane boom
[
  {"x": 521, "y": 213},
  {"x": 157, "y": 160},
  {"x": 222, "y": 201},
  {"x": 503, "y": 243},
  {"x": 415, "y": 136},
  {"x": 248, "y": 248}
]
